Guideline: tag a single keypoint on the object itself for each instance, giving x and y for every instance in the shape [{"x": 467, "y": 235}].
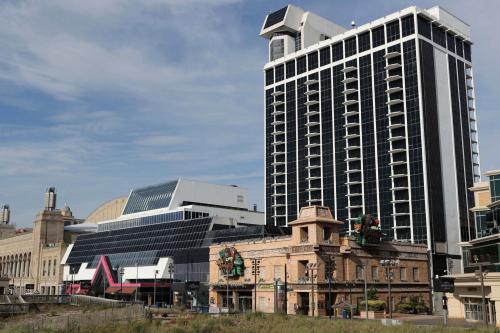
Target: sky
[{"x": 101, "y": 96}]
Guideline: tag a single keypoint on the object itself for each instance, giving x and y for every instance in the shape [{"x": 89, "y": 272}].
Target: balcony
[
  {"x": 349, "y": 80},
  {"x": 393, "y": 78},
  {"x": 348, "y": 69},
  {"x": 276, "y": 153},
  {"x": 391, "y": 55},
  {"x": 277, "y": 122},
  {"x": 312, "y": 112},
  {"x": 311, "y": 92},
  {"x": 350, "y": 102},
  {"x": 393, "y": 90},
  {"x": 349, "y": 91},
  {"x": 276, "y": 103},
  {"x": 394, "y": 101},
  {"x": 313, "y": 144},
  {"x": 392, "y": 66},
  {"x": 311, "y": 81},
  {"x": 312, "y": 102},
  {"x": 350, "y": 113},
  {"x": 277, "y": 112},
  {"x": 277, "y": 93},
  {"x": 313, "y": 134}
]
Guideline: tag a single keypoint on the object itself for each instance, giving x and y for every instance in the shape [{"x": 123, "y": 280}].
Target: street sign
[{"x": 446, "y": 285}]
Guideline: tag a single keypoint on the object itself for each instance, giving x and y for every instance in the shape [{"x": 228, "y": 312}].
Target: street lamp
[
  {"x": 154, "y": 289},
  {"x": 388, "y": 264},
  {"x": 482, "y": 273},
  {"x": 171, "y": 272},
  {"x": 350, "y": 285},
  {"x": 311, "y": 268}
]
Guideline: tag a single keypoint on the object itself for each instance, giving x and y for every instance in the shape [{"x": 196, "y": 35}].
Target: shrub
[
  {"x": 404, "y": 308},
  {"x": 373, "y": 305}
]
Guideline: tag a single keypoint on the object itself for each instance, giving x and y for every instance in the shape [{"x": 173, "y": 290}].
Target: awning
[{"x": 118, "y": 290}]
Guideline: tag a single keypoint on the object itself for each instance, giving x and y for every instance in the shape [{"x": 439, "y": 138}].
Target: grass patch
[{"x": 257, "y": 323}]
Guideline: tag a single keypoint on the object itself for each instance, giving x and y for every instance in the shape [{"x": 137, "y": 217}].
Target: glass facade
[
  {"x": 149, "y": 198},
  {"x": 495, "y": 187},
  {"x": 160, "y": 218}
]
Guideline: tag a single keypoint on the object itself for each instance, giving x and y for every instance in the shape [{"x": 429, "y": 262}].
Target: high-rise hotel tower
[{"x": 379, "y": 119}]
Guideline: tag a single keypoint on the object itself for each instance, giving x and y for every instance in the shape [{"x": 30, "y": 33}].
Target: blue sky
[{"x": 98, "y": 97}]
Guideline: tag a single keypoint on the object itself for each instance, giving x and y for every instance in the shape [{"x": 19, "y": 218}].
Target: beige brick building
[
  {"x": 31, "y": 259},
  {"x": 314, "y": 240}
]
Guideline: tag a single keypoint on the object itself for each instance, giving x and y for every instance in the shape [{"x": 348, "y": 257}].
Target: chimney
[
  {"x": 50, "y": 198},
  {"x": 5, "y": 214},
  {"x": 254, "y": 207}
]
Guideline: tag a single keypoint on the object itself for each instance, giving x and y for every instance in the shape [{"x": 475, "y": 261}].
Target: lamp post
[
  {"x": 154, "y": 288},
  {"x": 171, "y": 272},
  {"x": 311, "y": 268},
  {"x": 366, "y": 290},
  {"x": 388, "y": 264},
  {"x": 350, "y": 284}
]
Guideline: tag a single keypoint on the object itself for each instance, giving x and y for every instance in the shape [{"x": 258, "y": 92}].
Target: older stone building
[
  {"x": 291, "y": 273},
  {"x": 31, "y": 259}
]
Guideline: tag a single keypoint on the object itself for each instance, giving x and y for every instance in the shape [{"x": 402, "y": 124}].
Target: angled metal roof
[{"x": 149, "y": 198}]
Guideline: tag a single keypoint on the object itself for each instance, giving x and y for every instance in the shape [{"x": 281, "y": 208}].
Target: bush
[
  {"x": 404, "y": 308},
  {"x": 373, "y": 305}
]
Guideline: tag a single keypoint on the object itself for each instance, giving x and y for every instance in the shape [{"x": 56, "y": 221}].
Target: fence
[{"x": 77, "y": 321}]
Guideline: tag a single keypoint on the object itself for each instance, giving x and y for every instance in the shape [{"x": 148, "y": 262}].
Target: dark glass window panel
[
  {"x": 450, "y": 41},
  {"x": 424, "y": 26},
  {"x": 301, "y": 65},
  {"x": 279, "y": 72},
  {"x": 312, "y": 61},
  {"x": 378, "y": 36},
  {"x": 467, "y": 52},
  {"x": 324, "y": 56},
  {"x": 459, "y": 46},
  {"x": 408, "y": 25},
  {"x": 337, "y": 52},
  {"x": 392, "y": 31},
  {"x": 438, "y": 35},
  {"x": 290, "y": 69},
  {"x": 275, "y": 17},
  {"x": 350, "y": 47},
  {"x": 269, "y": 76},
  {"x": 364, "y": 41},
  {"x": 433, "y": 150}
]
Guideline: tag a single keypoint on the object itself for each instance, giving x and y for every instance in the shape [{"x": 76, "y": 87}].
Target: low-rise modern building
[
  {"x": 157, "y": 248},
  {"x": 30, "y": 258},
  {"x": 290, "y": 273},
  {"x": 466, "y": 300}
]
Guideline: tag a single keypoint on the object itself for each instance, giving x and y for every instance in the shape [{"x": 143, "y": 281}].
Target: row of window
[
  {"x": 49, "y": 267},
  {"x": 378, "y": 36},
  {"x": 377, "y": 275}
]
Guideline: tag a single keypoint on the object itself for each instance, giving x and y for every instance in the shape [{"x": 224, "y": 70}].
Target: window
[
  {"x": 467, "y": 52},
  {"x": 280, "y": 75},
  {"x": 327, "y": 233},
  {"x": 350, "y": 47},
  {"x": 424, "y": 27},
  {"x": 402, "y": 273},
  {"x": 337, "y": 52},
  {"x": 312, "y": 60},
  {"x": 416, "y": 274},
  {"x": 269, "y": 76},
  {"x": 375, "y": 273},
  {"x": 438, "y": 35},
  {"x": 324, "y": 56},
  {"x": 277, "y": 272},
  {"x": 55, "y": 267},
  {"x": 450, "y": 42},
  {"x": 262, "y": 273},
  {"x": 301, "y": 65},
  {"x": 392, "y": 31},
  {"x": 460, "y": 47},
  {"x": 378, "y": 37},
  {"x": 304, "y": 234},
  {"x": 408, "y": 25},
  {"x": 364, "y": 41},
  {"x": 359, "y": 272},
  {"x": 277, "y": 49},
  {"x": 290, "y": 69},
  {"x": 43, "y": 268},
  {"x": 302, "y": 266},
  {"x": 48, "y": 270}
]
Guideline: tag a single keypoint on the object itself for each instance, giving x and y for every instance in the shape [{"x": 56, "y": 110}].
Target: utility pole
[
  {"x": 171, "y": 272},
  {"x": 154, "y": 289},
  {"x": 366, "y": 291},
  {"x": 330, "y": 260},
  {"x": 255, "y": 272},
  {"x": 286, "y": 291},
  {"x": 482, "y": 274},
  {"x": 311, "y": 268}
]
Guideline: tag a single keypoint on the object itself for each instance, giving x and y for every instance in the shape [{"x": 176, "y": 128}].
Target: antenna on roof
[{"x": 353, "y": 24}]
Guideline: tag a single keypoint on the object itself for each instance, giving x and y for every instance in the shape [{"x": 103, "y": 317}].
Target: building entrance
[{"x": 245, "y": 301}]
